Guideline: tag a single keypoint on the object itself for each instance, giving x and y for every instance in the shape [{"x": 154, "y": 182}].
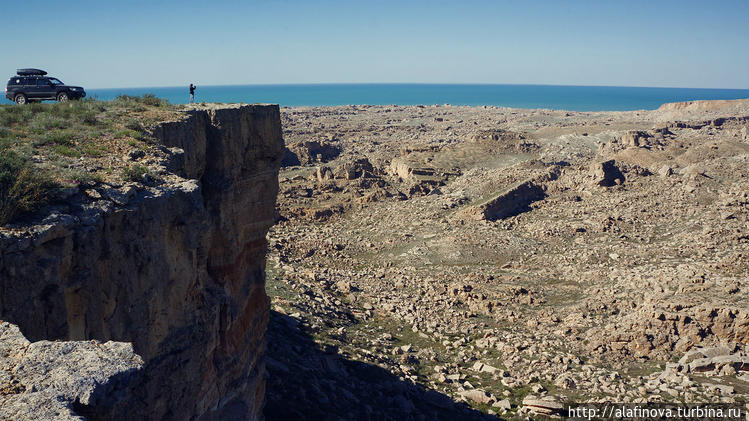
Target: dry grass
[{"x": 44, "y": 147}]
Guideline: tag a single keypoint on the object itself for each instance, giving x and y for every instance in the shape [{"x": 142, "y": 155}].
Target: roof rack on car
[{"x": 30, "y": 72}]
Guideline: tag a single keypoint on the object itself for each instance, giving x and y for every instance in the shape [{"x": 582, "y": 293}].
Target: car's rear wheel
[
  {"x": 20, "y": 99},
  {"x": 62, "y": 97}
]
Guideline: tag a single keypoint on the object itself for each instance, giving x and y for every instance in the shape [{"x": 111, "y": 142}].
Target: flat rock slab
[
  {"x": 42, "y": 380},
  {"x": 542, "y": 406}
]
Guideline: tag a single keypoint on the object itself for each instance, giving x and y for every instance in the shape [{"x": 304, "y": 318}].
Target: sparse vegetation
[
  {"x": 41, "y": 146},
  {"x": 21, "y": 188},
  {"x": 134, "y": 172},
  {"x": 146, "y": 99}
]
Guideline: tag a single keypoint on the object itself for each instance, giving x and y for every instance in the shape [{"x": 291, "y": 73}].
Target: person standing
[{"x": 192, "y": 93}]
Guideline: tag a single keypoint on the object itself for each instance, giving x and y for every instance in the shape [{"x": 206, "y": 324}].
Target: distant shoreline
[
  {"x": 554, "y": 97},
  {"x": 261, "y": 85}
]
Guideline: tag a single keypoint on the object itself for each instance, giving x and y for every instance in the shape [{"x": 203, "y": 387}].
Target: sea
[{"x": 560, "y": 97}]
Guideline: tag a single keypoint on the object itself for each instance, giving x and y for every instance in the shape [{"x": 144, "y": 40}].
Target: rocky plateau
[{"x": 447, "y": 262}]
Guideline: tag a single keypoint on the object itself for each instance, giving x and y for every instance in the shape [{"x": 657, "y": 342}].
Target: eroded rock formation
[{"x": 176, "y": 269}]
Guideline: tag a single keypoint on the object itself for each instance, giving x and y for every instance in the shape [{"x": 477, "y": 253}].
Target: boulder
[
  {"x": 606, "y": 174},
  {"x": 323, "y": 173},
  {"x": 542, "y": 406},
  {"x": 309, "y": 152},
  {"x": 477, "y": 395},
  {"x": 483, "y": 368},
  {"x": 636, "y": 138},
  {"x": 503, "y": 404},
  {"x": 665, "y": 171},
  {"x": 355, "y": 169}
]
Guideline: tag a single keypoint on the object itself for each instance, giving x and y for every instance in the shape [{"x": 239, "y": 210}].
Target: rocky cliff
[
  {"x": 176, "y": 268},
  {"x": 723, "y": 105}
]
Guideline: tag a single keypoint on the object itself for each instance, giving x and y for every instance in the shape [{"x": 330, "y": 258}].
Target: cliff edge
[{"x": 177, "y": 268}]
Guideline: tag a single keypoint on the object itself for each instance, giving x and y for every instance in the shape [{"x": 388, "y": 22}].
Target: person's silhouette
[{"x": 192, "y": 93}]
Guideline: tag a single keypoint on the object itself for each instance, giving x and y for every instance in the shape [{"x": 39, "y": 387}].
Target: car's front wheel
[
  {"x": 62, "y": 97},
  {"x": 20, "y": 99}
]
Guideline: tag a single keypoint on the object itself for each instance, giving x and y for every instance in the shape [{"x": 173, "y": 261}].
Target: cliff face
[
  {"x": 177, "y": 269},
  {"x": 704, "y": 105}
]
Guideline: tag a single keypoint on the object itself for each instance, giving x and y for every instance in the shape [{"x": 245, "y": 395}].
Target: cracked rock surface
[{"x": 44, "y": 380}]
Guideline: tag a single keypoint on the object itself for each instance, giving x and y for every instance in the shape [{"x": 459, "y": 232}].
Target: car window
[
  {"x": 55, "y": 81},
  {"x": 42, "y": 82}
]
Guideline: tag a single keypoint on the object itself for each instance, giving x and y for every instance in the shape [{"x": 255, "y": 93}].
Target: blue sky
[{"x": 101, "y": 44}]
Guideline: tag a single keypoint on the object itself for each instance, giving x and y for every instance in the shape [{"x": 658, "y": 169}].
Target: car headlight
[{"x": 73, "y": 89}]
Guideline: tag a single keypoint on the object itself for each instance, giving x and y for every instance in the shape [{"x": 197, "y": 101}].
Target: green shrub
[
  {"x": 134, "y": 172},
  {"x": 92, "y": 150},
  {"x": 80, "y": 176},
  {"x": 133, "y": 124},
  {"x": 151, "y": 99},
  {"x": 54, "y": 138},
  {"x": 146, "y": 99},
  {"x": 35, "y": 108},
  {"x": 124, "y": 133},
  {"x": 62, "y": 110},
  {"x": 10, "y": 116},
  {"x": 22, "y": 188},
  {"x": 26, "y": 114},
  {"x": 66, "y": 151},
  {"x": 89, "y": 117}
]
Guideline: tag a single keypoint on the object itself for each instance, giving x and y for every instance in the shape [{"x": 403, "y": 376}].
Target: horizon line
[{"x": 423, "y": 83}]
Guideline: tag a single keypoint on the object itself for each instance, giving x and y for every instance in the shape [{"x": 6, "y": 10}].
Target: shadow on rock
[{"x": 309, "y": 383}]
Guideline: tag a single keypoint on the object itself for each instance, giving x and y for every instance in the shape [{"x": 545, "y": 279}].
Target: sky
[{"x": 107, "y": 44}]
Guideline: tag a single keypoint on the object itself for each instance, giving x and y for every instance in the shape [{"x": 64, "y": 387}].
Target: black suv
[{"x": 31, "y": 85}]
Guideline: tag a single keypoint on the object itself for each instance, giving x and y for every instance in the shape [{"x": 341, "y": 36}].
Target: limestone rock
[
  {"x": 517, "y": 199},
  {"x": 307, "y": 152},
  {"x": 484, "y": 368},
  {"x": 323, "y": 173},
  {"x": 52, "y": 376},
  {"x": 543, "y": 406},
  {"x": 355, "y": 169},
  {"x": 503, "y": 404},
  {"x": 477, "y": 395},
  {"x": 636, "y": 138},
  {"x": 606, "y": 174},
  {"x": 665, "y": 171}
]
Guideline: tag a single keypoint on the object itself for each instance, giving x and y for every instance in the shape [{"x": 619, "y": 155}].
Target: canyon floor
[{"x": 445, "y": 262}]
